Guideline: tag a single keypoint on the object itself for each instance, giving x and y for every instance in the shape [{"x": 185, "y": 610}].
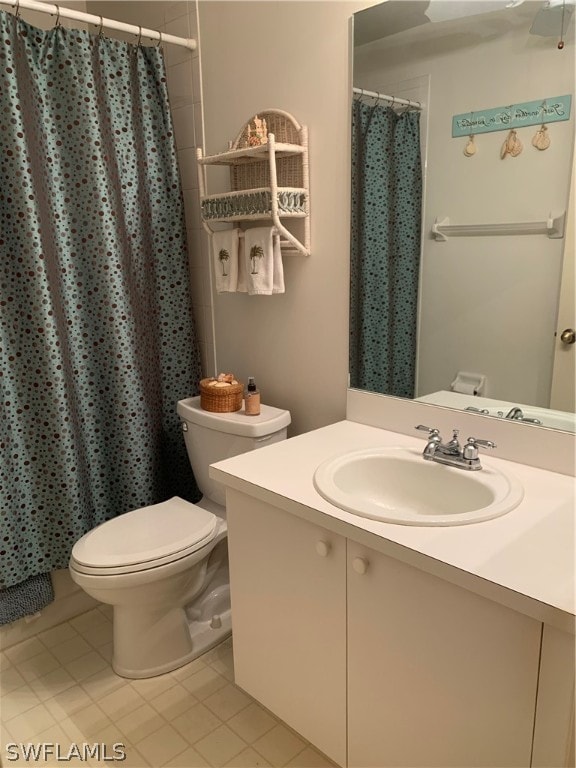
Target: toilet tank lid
[{"x": 269, "y": 421}]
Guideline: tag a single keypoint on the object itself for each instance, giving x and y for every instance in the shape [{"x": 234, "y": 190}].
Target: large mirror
[{"x": 462, "y": 254}]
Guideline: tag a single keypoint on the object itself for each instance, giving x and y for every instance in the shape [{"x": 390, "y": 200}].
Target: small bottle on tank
[{"x": 252, "y": 398}]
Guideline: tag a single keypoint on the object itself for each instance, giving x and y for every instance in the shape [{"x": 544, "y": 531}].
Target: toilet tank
[{"x": 212, "y": 437}]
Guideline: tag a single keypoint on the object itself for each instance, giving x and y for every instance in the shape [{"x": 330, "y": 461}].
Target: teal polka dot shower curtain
[
  {"x": 97, "y": 341},
  {"x": 385, "y": 248}
]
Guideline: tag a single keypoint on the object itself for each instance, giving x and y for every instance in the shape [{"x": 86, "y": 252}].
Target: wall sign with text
[{"x": 552, "y": 110}]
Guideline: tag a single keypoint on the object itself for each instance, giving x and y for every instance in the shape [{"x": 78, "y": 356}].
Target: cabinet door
[
  {"x": 288, "y": 590},
  {"x": 437, "y": 676},
  {"x": 554, "y": 726}
]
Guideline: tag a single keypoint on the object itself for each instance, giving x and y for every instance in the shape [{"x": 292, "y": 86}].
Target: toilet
[{"x": 164, "y": 568}]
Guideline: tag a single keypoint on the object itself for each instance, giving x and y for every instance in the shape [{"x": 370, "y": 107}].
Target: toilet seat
[{"x": 145, "y": 538}]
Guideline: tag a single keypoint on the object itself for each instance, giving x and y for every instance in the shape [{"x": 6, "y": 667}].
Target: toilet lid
[{"x": 145, "y": 535}]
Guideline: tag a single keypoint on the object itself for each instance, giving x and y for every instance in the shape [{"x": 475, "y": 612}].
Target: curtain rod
[
  {"x": 88, "y": 18},
  {"x": 383, "y": 97}
]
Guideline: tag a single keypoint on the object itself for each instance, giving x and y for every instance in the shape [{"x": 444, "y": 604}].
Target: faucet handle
[
  {"x": 483, "y": 411},
  {"x": 472, "y": 445},
  {"x": 483, "y": 443},
  {"x": 433, "y": 432}
]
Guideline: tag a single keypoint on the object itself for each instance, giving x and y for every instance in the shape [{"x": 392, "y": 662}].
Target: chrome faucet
[
  {"x": 516, "y": 414},
  {"x": 452, "y": 453}
]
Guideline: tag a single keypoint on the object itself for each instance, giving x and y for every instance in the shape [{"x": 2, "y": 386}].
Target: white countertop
[{"x": 524, "y": 559}]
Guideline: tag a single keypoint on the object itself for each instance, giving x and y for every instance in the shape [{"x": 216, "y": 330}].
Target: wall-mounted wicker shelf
[{"x": 268, "y": 182}]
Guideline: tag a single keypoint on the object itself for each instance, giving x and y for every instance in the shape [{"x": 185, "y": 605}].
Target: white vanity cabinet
[
  {"x": 375, "y": 662},
  {"x": 437, "y": 676},
  {"x": 288, "y": 589}
]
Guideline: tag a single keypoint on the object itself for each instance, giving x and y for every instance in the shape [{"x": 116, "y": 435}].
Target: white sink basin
[{"x": 396, "y": 485}]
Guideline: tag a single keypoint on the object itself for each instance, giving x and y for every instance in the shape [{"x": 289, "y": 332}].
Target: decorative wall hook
[
  {"x": 541, "y": 139},
  {"x": 512, "y": 146},
  {"x": 470, "y": 149}
]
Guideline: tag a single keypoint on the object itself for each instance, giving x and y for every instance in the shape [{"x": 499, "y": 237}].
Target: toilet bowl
[{"x": 164, "y": 568}]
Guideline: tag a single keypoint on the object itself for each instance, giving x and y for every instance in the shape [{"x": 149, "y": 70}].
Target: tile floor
[{"x": 59, "y": 689}]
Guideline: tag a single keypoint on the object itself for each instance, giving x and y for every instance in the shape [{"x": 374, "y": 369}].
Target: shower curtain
[
  {"x": 385, "y": 248},
  {"x": 97, "y": 341}
]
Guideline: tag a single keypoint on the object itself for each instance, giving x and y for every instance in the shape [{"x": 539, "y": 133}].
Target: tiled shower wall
[{"x": 185, "y": 90}]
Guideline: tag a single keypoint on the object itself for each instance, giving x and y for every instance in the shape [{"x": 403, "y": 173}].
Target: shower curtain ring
[
  {"x": 139, "y": 36},
  {"x": 17, "y": 11},
  {"x": 159, "y": 44},
  {"x": 57, "y": 24},
  {"x": 100, "y": 27}
]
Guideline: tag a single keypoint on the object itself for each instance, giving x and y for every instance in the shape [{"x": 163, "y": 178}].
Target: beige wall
[{"x": 291, "y": 56}]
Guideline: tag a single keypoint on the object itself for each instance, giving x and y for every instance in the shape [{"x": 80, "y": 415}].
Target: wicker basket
[{"x": 221, "y": 399}]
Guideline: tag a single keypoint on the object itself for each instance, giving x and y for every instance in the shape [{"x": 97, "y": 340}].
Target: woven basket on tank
[{"x": 221, "y": 399}]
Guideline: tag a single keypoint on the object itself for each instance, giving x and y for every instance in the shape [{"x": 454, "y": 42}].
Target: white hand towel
[
  {"x": 259, "y": 260},
  {"x": 225, "y": 258},
  {"x": 278, "y": 279}
]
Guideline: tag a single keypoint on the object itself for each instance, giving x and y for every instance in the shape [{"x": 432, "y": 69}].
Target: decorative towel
[
  {"x": 225, "y": 257},
  {"x": 278, "y": 279},
  {"x": 26, "y": 598},
  {"x": 259, "y": 260}
]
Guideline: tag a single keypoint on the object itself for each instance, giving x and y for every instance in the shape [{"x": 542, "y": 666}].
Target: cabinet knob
[
  {"x": 323, "y": 548},
  {"x": 360, "y": 565}
]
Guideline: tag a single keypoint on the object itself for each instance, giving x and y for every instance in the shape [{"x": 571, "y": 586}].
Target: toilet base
[
  {"x": 147, "y": 645},
  {"x": 203, "y": 637}
]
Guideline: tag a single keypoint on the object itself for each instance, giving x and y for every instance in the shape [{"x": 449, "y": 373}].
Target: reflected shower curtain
[
  {"x": 385, "y": 249},
  {"x": 97, "y": 341}
]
